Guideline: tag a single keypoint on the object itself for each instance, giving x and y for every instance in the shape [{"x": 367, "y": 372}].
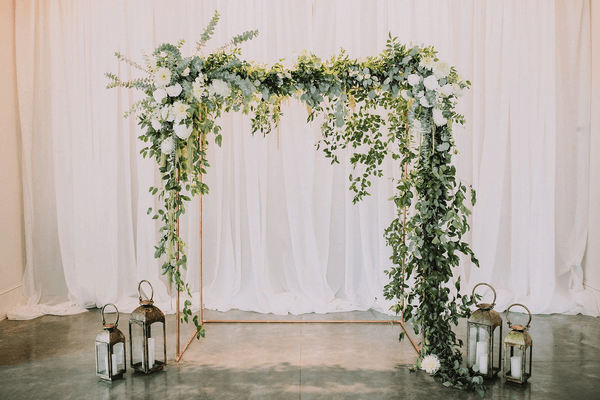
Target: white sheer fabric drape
[{"x": 280, "y": 232}]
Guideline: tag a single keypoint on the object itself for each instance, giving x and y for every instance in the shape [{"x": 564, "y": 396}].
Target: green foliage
[{"x": 398, "y": 106}]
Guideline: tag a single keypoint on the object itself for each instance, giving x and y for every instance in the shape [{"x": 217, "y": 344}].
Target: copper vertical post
[{"x": 178, "y": 322}]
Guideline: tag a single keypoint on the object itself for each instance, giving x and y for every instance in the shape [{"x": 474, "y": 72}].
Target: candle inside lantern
[
  {"x": 151, "y": 351},
  {"x": 115, "y": 368},
  {"x": 472, "y": 345},
  {"x": 515, "y": 367},
  {"x": 119, "y": 354},
  {"x": 483, "y": 364},
  {"x": 482, "y": 350}
]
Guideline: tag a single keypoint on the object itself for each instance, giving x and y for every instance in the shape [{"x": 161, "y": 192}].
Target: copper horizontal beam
[{"x": 263, "y": 321}]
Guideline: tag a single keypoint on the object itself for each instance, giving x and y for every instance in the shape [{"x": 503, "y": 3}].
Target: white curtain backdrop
[{"x": 280, "y": 232}]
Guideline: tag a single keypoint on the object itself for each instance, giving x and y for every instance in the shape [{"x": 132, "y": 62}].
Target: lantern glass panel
[
  {"x": 156, "y": 343},
  {"x": 102, "y": 358},
  {"x": 479, "y": 347},
  {"x": 119, "y": 357},
  {"x": 137, "y": 344}
]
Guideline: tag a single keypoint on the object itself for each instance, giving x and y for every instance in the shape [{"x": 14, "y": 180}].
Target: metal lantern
[
  {"x": 147, "y": 335},
  {"x": 484, "y": 335},
  {"x": 110, "y": 350},
  {"x": 517, "y": 350}
]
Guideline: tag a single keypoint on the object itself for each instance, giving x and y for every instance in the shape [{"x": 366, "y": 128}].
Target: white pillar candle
[
  {"x": 115, "y": 368},
  {"x": 472, "y": 346},
  {"x": 151, "y": 351},
  {"x": 482, "y": 350},
  {"x": 515, "y": 367},
  {"x": 483, "y": 364},
  {"x": 119, "y": 353}
]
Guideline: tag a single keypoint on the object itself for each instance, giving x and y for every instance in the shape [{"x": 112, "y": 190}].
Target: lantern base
[
  {"x": 158, "y": 365},
  {"x": 111, "y": 378},
  {"x": 494, "y": 374},
  {"x": 509, "y": 378}
]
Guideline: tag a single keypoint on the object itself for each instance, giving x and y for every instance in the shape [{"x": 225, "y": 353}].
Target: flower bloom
[
  {"x": 405, "y": 95},
  {"x": 438, "y": 117},
  {"x": 179, "y": 111},
  {"x": 431, "y": 82},
  {"x": 424, "y": 102},
  {"x": 219, "y": 88},
  {"x": 167, "y": 146},
  {"x": 416, "y": 128},
  {"x": 446, "y": 90},
  {"x": 414, "y": 79},
  {"x": 427, "y": 62},
  {"x": 441, "y": 69},
  {"x": 182, "y": 131},
  {"x": 156, "y": 125},
  {"x": 174, "y": 90},
  {"x": 186, "y": 72},
  {"x": 197, "y": 89},
  {"x": 457, "y": 90},
  {"x": 159, "y": 95},
  {"x": 430, "y": 364},
  {"x": 162, "y": 77}
]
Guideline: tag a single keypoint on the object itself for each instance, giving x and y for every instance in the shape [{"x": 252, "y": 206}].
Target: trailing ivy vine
[{"x": 400, "y": 104}]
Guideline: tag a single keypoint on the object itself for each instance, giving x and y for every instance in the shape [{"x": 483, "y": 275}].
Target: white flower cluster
[
  {"x": 218, "y": 88},
  {"x": 430, "y": 364}
]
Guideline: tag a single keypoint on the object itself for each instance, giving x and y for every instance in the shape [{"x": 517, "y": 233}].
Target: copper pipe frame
[{"x": 247, "y": 321}]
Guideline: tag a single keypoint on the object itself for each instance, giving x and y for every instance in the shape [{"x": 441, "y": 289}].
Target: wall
[{"x": 12, "y": 244}]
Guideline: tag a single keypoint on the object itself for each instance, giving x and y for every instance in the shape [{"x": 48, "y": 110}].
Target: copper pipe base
[{"x": 259, "y": 321}]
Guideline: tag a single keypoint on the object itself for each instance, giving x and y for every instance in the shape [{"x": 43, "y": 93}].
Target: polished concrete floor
[{"x": 53, "y": 358}]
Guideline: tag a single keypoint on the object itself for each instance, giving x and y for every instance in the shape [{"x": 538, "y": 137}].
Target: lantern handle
[
  {"x": 140, "y": 288},
  {"x": 521, "y": 305},
  {"x": 102, "y": 313},
  {"x": 488, "y": 285}
]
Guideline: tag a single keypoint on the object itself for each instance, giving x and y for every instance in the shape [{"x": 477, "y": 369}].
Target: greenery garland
[{"x": 185, "y": 96}]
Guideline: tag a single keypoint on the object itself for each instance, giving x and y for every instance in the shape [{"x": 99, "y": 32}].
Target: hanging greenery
[{"x": 418, "y": 93}]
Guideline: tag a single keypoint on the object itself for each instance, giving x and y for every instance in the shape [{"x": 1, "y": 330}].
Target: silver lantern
[
  {"x": 484, "y": 336},
  {"x": 147, "y": 335},
  {"x": 110, "y": 350},
  {"x": 518, "y": 347}
]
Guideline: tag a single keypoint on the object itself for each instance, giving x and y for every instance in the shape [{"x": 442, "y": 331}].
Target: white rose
[
  {"x": 159, "y": 95},
  {"x": 438, "y": 117},
  {"x": 186, "y": 72},
  {"x": 414, "y": 79},
  {"x": 431, "y": 82},
  {"x": 156, "y": 125},
  {"x": 446, "y": 90},
  {"x": 165, "y": 112},
  {"x": 219, "y": 88},
  {"x": 182, "y": 131},
  {"x": 174, "y": 90},
  {"x": 162, "y": 77},
  {"x": 424, "y": 102},
  {"x": 405, "y": 95},
  {"x": 441, "y": 69},
  {"x": 167, "y": 146}
]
